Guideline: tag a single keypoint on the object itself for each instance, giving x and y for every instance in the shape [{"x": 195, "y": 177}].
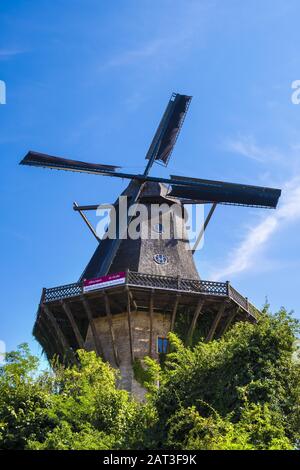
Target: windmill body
[
  {"x": 135, "y": 290},
  {"x": 142, "y": 254}
]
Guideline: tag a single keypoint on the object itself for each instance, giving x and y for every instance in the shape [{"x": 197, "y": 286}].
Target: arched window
[{"x": 160, "y": 259}]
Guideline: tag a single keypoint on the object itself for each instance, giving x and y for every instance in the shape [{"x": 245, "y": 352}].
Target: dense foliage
[{"x": 238, "y": 392}]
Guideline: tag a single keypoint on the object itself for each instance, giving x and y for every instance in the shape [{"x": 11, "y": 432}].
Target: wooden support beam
[
  {"x": 133, "y": 301},
  {"x": 230, "y": 319},
  {"x": 43, "y": 338},
  {"x": 215, "y": 322},
  {"x": 197, "y": 312},
  {"x": 96, "y": 339},
  {"x": 92, "y": 207},
  {"x": 174, "y": 312},
  {"x": 115, "y": 304},
  {"x": 70, "y": 316},
  {"x": 129, "y": 325},
  {"x": 151, "y": 323},
  {"x": 91, "y": 228},
  {"x": 173, "y": 317},
  {"x": 111, "y": 330},
  {"x": 206, "y": 222},
  {"x": 56, "y": 327},
  {"x": 45, "y": 345},
  {"x": 62, "y": 339},
  {"x": 51, "y": 337}
]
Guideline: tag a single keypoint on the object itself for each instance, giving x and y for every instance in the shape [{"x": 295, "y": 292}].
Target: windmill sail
[
  {"x": 48, "y": 161},
  {"x": 168, "y": 130},
  {"x": 222, "y": 192}
]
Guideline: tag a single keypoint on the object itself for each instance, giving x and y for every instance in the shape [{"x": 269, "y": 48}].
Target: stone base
[{"x": 140, "y": 326}]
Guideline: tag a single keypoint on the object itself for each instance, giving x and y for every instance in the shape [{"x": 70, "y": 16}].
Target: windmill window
[
  {"x": 159, "y": 228},
  {"x": 162, "y": 345},
  {"x": 160, "y": 259}
]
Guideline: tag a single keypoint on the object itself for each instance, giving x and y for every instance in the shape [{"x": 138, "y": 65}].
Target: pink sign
[{"x": 104, "y": 281}]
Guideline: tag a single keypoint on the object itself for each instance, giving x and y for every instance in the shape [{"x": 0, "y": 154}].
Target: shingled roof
[{"x": 138, "y": 255}]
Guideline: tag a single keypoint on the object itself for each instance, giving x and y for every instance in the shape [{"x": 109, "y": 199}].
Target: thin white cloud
[
  {"x": 10, "y": 52},
  {"x": 247, "y": 147},
  {"x": 186, "y": 28},
  {"x": 128, "y": 57},
  {"x": 159, "y": 49},
  {"x": 244, "y": 256}
]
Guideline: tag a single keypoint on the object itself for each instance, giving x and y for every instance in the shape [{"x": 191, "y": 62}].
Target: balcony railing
[
  {"x": 195, "y": 286},
  {"x": 62, "y": 292},
  {"x": 169, "y": 283}
]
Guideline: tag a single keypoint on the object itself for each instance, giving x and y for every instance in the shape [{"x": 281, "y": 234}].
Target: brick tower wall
[{"x": 140, "y": 337}]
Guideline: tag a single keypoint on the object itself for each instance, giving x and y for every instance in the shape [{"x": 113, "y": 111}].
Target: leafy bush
[{"x": 239, "y": 392}]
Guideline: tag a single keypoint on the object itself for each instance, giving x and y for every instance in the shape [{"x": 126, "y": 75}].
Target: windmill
[{"x": 131, "y": 292}]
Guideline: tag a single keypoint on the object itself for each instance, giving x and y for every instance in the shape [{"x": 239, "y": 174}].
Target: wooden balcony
[
  {"x": 160, "y": 283},
  {"x": 66, "y": 312}
]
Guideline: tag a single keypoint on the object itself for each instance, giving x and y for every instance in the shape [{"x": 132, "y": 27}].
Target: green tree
[
  {"x": 249, "y": 370},
  {"x": 238, "y": 392},
  {"x": 75, "y": 407},
  {"x": 25, "y": 398}
]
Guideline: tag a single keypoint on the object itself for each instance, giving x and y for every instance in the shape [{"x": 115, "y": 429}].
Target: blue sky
[{"x": 90, "y": 79}]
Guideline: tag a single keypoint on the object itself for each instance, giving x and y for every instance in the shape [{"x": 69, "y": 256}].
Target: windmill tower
[{"x": 134, "y": 291}]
